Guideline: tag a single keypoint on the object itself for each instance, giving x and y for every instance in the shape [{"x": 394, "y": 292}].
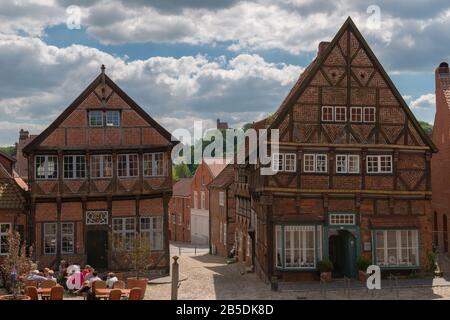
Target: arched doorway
[
  {"x": 445, "y": 232},
  {"x": 342, "y": 252}
]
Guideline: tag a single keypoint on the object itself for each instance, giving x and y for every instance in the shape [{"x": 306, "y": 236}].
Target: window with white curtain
[
  {"x": 101, "y": 166},
  {"x": 124, "y": 230},
  {"x": 297, "y": 244},
  {"x": 397, "y": 248},
  {"x": 127, "y": 165},
  {"x": 46, "y": 167},
  {"x": 50, "y": 238},
  {"x": 151, "y": 230}
]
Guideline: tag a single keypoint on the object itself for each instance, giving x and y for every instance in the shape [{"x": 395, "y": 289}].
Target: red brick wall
[
  {"x": 180, "y": 206},
  {"x": 199, "y": 186}
]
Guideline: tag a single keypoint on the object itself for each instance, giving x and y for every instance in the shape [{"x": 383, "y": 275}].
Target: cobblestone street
[{"x": 209, "y": 277}]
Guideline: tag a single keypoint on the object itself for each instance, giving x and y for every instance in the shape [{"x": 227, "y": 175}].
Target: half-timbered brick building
[
  {"x": 99, "y": 175},
  {"x": 440, "y": 164},
  {"x": 353, "y": 172}
]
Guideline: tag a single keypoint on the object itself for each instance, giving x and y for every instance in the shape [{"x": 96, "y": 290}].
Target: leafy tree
[
  {"x": 181, "y": 171},
  {"x": 427, "y": 127},
  {"x": 10, "y": 150}
]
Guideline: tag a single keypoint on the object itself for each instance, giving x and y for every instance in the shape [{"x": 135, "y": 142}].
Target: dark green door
[
  {"x": 348, "y": 244},
  {"x": 97, "y": 248}
]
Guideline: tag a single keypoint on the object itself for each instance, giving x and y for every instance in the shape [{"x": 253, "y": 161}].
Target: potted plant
[
  {"x": 325, "y": 267},
  {"x": 16, "y": 265},
  {"x": 363, "y": 263},
  {"x": 138, "y": 256}
]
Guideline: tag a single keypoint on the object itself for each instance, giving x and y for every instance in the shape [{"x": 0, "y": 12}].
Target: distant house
[
  {"x": 100, "y": 175},
  {"x": 21, "y": 165},
  {"x": 13, "y": 203},
  {"x": 180, "y": 211},
  {"x": 440, "y": 166},
  {"x": 206, "y": 171},
  {"x": 222, "y": 125},
  {"x": 222, "y": 212}
]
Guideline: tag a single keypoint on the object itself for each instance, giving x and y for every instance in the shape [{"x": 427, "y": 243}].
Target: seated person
[
  {"x": 34, "y": 276},
  {"x": 111, "y": 280},
  {"x": 51, "y": 275},
  {"x": 87, "y": 286}
]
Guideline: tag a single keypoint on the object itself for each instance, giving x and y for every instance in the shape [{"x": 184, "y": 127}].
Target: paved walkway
[{"x": 210, "y": 277}]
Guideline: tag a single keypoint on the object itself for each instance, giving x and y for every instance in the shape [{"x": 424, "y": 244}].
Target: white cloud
[
  {"x": 42, "y": 80},
  {"x": 425, "y": 102}
]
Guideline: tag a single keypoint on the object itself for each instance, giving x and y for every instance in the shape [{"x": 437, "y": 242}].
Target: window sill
[{"x": 296, "y": 269}]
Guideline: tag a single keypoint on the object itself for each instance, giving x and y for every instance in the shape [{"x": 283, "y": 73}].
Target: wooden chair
[
  {"x": 135, "y": 294},
  {"x": 57, "y": 293},
  {"x": 115, "y": 294},
  {"x": 32, "y": 292},
  {"x": 99, "y": 284},
  {"x": 48, "y": 284},
  {"x": 119, "y": 285},
  {"x": 30, "y": 283}
]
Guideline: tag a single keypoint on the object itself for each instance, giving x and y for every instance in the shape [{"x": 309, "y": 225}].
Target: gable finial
[{"x": 103, "y": 68}]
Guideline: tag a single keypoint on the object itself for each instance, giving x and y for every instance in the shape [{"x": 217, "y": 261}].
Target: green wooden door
[{"x": 349, "y": 254}]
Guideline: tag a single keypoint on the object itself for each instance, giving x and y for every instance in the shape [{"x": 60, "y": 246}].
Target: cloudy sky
[{"x": 201, "y": 59}]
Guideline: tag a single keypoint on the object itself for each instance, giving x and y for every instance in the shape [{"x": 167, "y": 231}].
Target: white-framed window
[
  {"x": 151, "y": 229},
  {"x": 327, "y": 113},
  {"x": 342, "y": 219},
  {"x": 46, "y": 167},
  {"x": 290, "y": 162},
  {"x": 153, "y": 164},
  {"x": 74, "y": 167},
  {"x": 203, "y": 200},
  {"x": 50, "y": 242},
  {"x": 379, "y": 164},
  {"x": 96, "y": 118},
  {"x": 309, "y": 162},
  {"x": 101, "y": 166},
  {"x": 195, "y": 200},
  {"x": 124, "y": 232},
  {"x": 113, "y": 118},
  {"x": 67, "y": 237},
  {"x": 277, "y": 162},
  {"x": 315, "y": 163},
  {"x": 296, "y": 247},
  {"x": 4, "y": 231},
  {"x": 221, "y": 198},
  {"x": 396, "y": 248},
  {"x": 128, "y": 165},
  {"x": 369, "y": 114},
  {"x": 174, "y": 218},
  {"x": 356, "y": 114},
  {"x": 347, "y": 163},
  {"x": 220, "y": 232},
  {"x": 340, "y": 114}
]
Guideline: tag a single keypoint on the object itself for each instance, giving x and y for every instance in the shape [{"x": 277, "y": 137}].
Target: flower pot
[
  {"x": 363, "y": 276},
  {"x": 326, "y": 276},
  {"x": 11, "y": 297},
  {"x": 139, "y": 283}
]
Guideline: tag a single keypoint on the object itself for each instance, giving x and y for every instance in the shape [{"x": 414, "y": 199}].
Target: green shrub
[
  {"x": 325, "y": 265},
  {"x": 432, "y": 262},
  {"x": 363, "y": 263}
]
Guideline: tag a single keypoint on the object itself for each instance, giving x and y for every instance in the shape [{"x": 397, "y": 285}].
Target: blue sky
[{"x": 199, "y": 60}]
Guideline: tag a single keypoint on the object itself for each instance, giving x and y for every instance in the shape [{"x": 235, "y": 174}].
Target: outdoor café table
[
  {"x": 44, "y": 292},
  {"x": 125, "y": 292}
]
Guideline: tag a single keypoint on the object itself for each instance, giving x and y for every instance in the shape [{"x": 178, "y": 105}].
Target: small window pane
[
  {"x": 112, "y": 118},
  {"x": 95, "y": 118}
]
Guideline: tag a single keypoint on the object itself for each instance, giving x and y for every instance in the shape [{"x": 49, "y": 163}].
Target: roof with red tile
[
  {"x": 224, "y": 179},
  {"x": 182, "y": 188},
  {"x": 11, "y": 195},
  {"x": 216, "y": 166}
]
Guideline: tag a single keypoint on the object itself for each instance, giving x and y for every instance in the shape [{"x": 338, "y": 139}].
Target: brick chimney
[
  {"x": 322, "y": 47},
  {"x": 443, "y": 71},
  {"x": 23, "y": 135}
]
